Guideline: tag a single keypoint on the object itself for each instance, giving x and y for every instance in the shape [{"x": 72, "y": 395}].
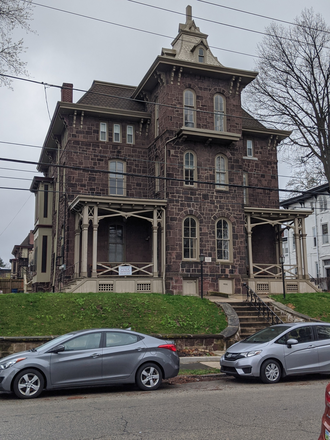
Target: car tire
[
  {"x": 28, "y": 384},
  {"x": 149, "y": 377},
  {"x": 270, "y": 371}
]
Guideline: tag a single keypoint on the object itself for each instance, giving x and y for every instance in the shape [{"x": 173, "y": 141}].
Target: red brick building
[{"x": 140, "y": 181}]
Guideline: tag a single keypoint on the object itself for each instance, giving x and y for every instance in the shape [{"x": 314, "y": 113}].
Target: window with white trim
[
  {"x": 249, "y": 148},
  {"x": 117, "y": 180},
  {"x": 221, "y": 172},
  {"x": 189, "y": 108},
  {"x": 325, "y": 234},
  {"x": 129, "y": 134},
  {"x": 223, "y": 241},
  {"x": 103, "y": 131},
  {"x": 190, "y": 172},
  {"x": 116, "y": 133},
  {"x": 219, "y": 113},
  {"x": 190, "y": 238},
  {"x": 201, "y": 55}
]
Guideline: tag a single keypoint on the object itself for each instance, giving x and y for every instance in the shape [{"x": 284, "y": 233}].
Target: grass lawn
[
  {"x": 44, "y": 314},
  {"x": 316, "y": 305}
]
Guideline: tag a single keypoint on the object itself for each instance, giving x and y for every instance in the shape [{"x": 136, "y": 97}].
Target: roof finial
[{"x": 188, "y": 14}]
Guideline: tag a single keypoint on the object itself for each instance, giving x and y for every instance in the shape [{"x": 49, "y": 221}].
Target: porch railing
[
  {"x": 263, "y": 309},
  {"x": 112, "y": 269},
  {"x": 274, "y": 270}
]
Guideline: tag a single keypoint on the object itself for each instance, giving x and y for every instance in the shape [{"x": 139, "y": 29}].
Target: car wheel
[
  {"x": 28, "y": 384},
  {"x": 149, "y": 377},
  {"x": 270, "y": 371}
]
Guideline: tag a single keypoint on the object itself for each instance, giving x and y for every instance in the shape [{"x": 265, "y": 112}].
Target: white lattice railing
[
  {"x": 274, "y": 271},
  {"x": 138, "y": 269}
]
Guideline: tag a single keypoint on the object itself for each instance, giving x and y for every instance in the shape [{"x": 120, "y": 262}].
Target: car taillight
[{"x": 171, "y": 347}]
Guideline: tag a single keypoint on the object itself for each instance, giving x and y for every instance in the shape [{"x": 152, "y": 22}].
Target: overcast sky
[{"x": 70, "y": 47}]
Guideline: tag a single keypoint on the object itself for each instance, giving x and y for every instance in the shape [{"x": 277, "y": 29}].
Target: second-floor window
[
  {"x": 325, "y": 234},
  {"x": 189, "y": 108},
  {"x": 221, "y": 172},
  {"x": 190, "y": 238},
  {"x": 116, "y": 133},
  {"x": 189, "y": 168},
  {"x": 219, "y": 113},
  {"x": 249, "y": 148},
  {"x": 323, "y": 203},
  {"x": 117, "y": 180}
]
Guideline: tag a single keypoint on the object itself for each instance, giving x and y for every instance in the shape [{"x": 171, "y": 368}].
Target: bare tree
[
  {"x": 13, "y": 14},
  {"x": 292, "y": 90}
]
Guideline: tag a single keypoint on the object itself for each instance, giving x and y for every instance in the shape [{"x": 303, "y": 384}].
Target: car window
[
  {"x": 301, "y": 334},
  {"x": 323, "y": 331},
  {"x": 113, "y": 339},
  {"x": 266, "y": 335},
  {"x": 89, "y": 341}
]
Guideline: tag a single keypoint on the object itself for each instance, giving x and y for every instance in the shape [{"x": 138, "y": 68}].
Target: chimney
[{"x": 66, "y": 92}]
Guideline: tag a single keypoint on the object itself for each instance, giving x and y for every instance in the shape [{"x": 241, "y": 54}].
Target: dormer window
[{"x": 201, "y": 56}]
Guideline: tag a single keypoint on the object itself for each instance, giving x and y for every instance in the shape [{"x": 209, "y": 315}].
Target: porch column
[
  {"x": 278, "y": 248},
  {"x": 84, "y": 242},
  {"x": 154, "y": 244},
  {"x": 95, "y": 229},
  {"x": 298, "y": 247},
  {"x": 304, "y": 248},
  {"x": 249, "y": 237},
  {"x": 76, "y": 245}
]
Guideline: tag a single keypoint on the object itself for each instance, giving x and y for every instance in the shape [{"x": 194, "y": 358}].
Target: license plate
[{"x": 326, "y": 434}]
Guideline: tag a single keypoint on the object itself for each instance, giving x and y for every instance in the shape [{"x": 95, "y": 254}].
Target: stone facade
[{"x": 190, "y": 161}]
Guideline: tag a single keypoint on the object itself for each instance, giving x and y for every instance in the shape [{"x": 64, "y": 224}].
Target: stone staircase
[{"x": 249, "y": 318}]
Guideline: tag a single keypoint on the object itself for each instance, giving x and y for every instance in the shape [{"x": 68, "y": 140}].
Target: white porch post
[
  {"x": 84, "y": 242},
  {"x": 249, "y": 234},
  {"x": 304, "y": 248},
  {"x": 298, "y": 247},
  {"x": 95, "y": 229},
  {"x": 76, "y": 245},
  {"x": 154, "y": 243}
]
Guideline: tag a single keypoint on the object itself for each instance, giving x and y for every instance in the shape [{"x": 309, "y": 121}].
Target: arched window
[
  {"x": 117, "y": 180},
  {"x": 223, "y": 241},
  {"x": 190, "y": 238},
  {"x": 189, "y": 108},
  {"x": 221, "y": 172},
  {"x": 201, "y": 56},
  {"x": 219, "y": 113},
  {"x": 190, "y": 174}
]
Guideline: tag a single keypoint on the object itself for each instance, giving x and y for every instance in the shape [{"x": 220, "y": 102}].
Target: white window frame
[
  {"x": 130, "y": 136},
  {"x": 249, "y": 148},
  {"x": 219, "y": 104},
  {"x": 201, "y": 55},
  {"x": 190, "y": 168},
  {"x": 222, "y": 240},
  {"x": 103, "y": 135},
  {"x": 116, "y": 135},
  {"x": 221, "y": 172},
  {"x": 190, "y": 238},
  {"x": 117, "y": 181},
  {"x": 325, "y": 233},
  {"x": 189, "y": 108}
]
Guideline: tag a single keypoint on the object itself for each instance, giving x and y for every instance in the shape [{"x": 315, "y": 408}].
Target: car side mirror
[
  {"x": 291, "y": 342},
  {"x": 57, "y": 349}
]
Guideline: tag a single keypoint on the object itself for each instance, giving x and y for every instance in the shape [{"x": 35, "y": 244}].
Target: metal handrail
[{"x": 261, "y": 306}]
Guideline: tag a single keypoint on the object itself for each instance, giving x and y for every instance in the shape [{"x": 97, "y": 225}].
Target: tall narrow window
[
  {"x": 314, "y": 236},
  {"x": 325, "y": 235},
  {"x": 44, "y": 254},
  {"x": 201, "y": 55},
  {"x": 156, "y": 119},
  {"x": 190, "y": 238},
  {"x": 46, "y": 201},
  {"x": 189, "y": 108},
  {"x": 129, "y": 134},
  {"x": 157, "y": 174},
  {"x": 117, "y": 179},
  {"x": 103, "y": 131},
  {"x": 219, "y": 113},
  {"x": 221, "y": 172},
  {"x": 249, "y": 148},
  {"x": 223, "y": 242},
  {"x": 323, "y": 203},
  {"x": 116, "y": 244},
  {"x": 189, "y": 168},
  {"x": 116, "y": 133},
  {"x": 245, "y": 190}
]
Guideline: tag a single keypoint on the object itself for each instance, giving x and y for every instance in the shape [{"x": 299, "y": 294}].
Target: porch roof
[
  {"x": 270, "y": 215},
  {"x": 115, "y": 202}
]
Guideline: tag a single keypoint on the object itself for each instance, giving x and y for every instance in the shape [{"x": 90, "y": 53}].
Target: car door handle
[
  {"x": 139, "y": 349},
  {"x": 95, "y": 355}
]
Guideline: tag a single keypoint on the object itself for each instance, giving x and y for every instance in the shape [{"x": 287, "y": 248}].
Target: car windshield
[
  {"x": 51, "y": 343},
  {"x": 266, "y": 335}
]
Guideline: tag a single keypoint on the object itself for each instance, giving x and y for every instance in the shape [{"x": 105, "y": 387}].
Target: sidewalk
[{"x": 201, "y": 362}]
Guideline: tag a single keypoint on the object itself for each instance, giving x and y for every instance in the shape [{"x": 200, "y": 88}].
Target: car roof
[{"x": 301, "y": 323}]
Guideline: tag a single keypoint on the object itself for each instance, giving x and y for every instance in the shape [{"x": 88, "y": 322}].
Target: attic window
[{"x": 201, "y": 55}]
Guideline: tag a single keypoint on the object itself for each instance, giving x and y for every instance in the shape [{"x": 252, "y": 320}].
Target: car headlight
[
  {"x": 251, "y": 353},
  {"x": 10, "y": 363}
]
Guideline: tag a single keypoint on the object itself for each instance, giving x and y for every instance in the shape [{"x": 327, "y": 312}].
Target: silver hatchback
[
  {"x": 279, "y": 351},
  {"x": 90, "y": 358}
]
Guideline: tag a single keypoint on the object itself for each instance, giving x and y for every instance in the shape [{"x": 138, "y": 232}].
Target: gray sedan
[
  {"x": 279, "y": 351},
  {"x": 90, "y": 358}
]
